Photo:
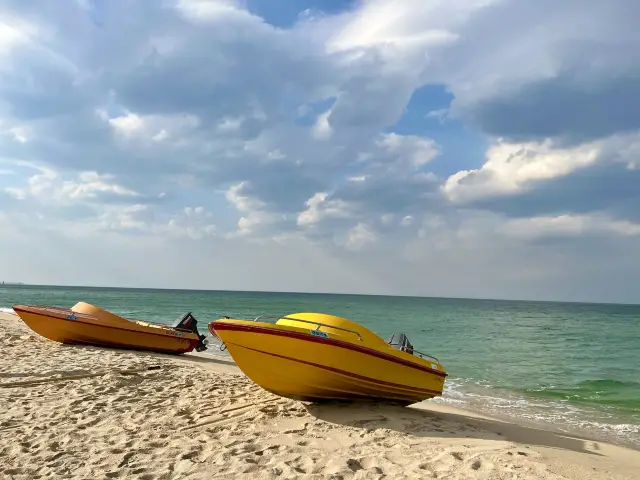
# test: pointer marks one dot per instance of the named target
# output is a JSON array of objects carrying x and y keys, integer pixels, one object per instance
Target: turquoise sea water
[{"x": 570, "y": 366}]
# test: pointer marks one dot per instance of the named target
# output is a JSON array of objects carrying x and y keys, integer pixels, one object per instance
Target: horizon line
[{"x": 24, "y": 284}]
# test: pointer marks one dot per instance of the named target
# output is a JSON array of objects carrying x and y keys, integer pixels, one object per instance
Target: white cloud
[
  {"x": 152, "y": 127},
  {"x": 127, "y": 124},
  {"x": 404, "y": 25},
  {"x": 13, "y": 33},
  {"x": 412, "y": 150},
  {"x": 569, "y": 225},
  {"x": 254, "y": 216},
  {"x": 577, "y": 74},
  {"x": 196, "y": 223},
  {"x": 204, "y": 10},
  {"x": 513, "y": 167},
  {"x": 243, "y": 203},
  {"x": 47, "y": 186},
  {"x": 322, "y": 128},
  {"x": 118, "y": 217},
  {"x": 319, "y": 208},
  {"x": 360, "y": 236}
]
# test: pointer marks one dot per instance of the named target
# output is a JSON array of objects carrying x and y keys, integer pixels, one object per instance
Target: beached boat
[
  {"x": 313, "y": 356},
  {"x": 86, "y": 324}
]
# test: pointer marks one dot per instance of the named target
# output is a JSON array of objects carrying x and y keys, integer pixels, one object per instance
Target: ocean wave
[
  {"x": 7, "y": 310},
  {"x": 556, "y": 413},
  {"x": 606, "y": 393},
  {"x": 608, "y": 383}
]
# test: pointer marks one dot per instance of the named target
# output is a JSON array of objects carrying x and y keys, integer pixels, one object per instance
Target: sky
[{"x": 458, "y": 148}]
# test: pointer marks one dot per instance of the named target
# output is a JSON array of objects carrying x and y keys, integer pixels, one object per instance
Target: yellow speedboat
[
  {"x": 312, "y": 356},
  {"x": 86, "y": 324}
]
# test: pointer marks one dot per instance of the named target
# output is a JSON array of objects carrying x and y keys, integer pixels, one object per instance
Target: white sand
[{"x": 73, "y": 412}]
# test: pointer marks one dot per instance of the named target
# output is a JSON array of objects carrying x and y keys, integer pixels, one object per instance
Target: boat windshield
[{"x": 401, "y": 342}]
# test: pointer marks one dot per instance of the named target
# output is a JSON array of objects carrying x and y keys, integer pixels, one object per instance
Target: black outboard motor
[{"x": 189, "y": 323}]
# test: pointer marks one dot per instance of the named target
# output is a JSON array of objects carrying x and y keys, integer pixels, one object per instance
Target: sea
[{"x": 569, "y": 367}]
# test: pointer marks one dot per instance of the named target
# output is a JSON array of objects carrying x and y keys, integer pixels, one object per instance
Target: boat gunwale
[
  {"x": 327, "y": 341},
  {"x": 17, "y": 308}
]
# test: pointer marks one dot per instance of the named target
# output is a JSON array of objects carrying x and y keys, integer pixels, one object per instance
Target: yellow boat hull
[
  {"x": 305, "y": 362},
  {"x": 85, "y": 324}
]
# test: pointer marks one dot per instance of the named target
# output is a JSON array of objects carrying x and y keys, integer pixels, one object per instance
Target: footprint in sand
[
  {"x": 125, "y": 459},
  {"x": 457, "y": 455},
  {"x": 354, "y": 465},
  {"x": 12, "y": 471}
]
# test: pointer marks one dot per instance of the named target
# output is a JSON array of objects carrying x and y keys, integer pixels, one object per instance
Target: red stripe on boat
[
  {"x": 217, "y": 325},
  {"x": 349, "y": 374}
]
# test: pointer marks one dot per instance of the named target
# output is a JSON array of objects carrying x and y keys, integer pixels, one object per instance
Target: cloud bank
[{"x": 484, "y": 148}]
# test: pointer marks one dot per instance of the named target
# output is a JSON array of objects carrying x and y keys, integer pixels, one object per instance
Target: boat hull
[
  {"x": 73, "y": 327},
  {"x": 300, "y": 365}
]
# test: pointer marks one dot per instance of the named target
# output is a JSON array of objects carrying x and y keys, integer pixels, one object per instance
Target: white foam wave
[
  {"x": 558, "y": 414},
  {"x": 7, "y": 311}
]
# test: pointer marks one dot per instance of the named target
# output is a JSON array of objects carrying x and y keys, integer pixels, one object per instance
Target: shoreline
[
  {"x": 198, "y": 416},
  {"x": 564, "y": 427},
  {"x": 475, "y": 409},
  {"x": 498, "y": 421}
]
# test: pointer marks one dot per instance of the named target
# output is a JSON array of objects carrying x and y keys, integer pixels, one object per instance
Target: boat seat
[{"x": 401, "y": 342}]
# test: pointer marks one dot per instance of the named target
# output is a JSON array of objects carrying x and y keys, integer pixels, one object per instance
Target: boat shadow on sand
[{"x": 422, "y": 422}]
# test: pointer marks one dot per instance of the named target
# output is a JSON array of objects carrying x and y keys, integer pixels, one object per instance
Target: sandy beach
[{"x": 84, "y": 412}]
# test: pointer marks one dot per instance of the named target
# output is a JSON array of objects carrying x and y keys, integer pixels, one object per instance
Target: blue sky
[{"x": 477, "y": 148}]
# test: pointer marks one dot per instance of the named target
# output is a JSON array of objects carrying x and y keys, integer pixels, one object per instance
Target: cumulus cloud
[
  {"x": 319, "y": 208},
  {"x": 199, "y": 121},
  {"x": 512, "y": 168},
  {"x": 533, "y": 178},
  {"x": 567, "y": 77},
  {"x": 359, "y": 236},
  {"x": 47, "y": 186}
]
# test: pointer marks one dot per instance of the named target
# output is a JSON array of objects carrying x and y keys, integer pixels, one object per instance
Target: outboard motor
[{"x": 188, "y": 322}]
